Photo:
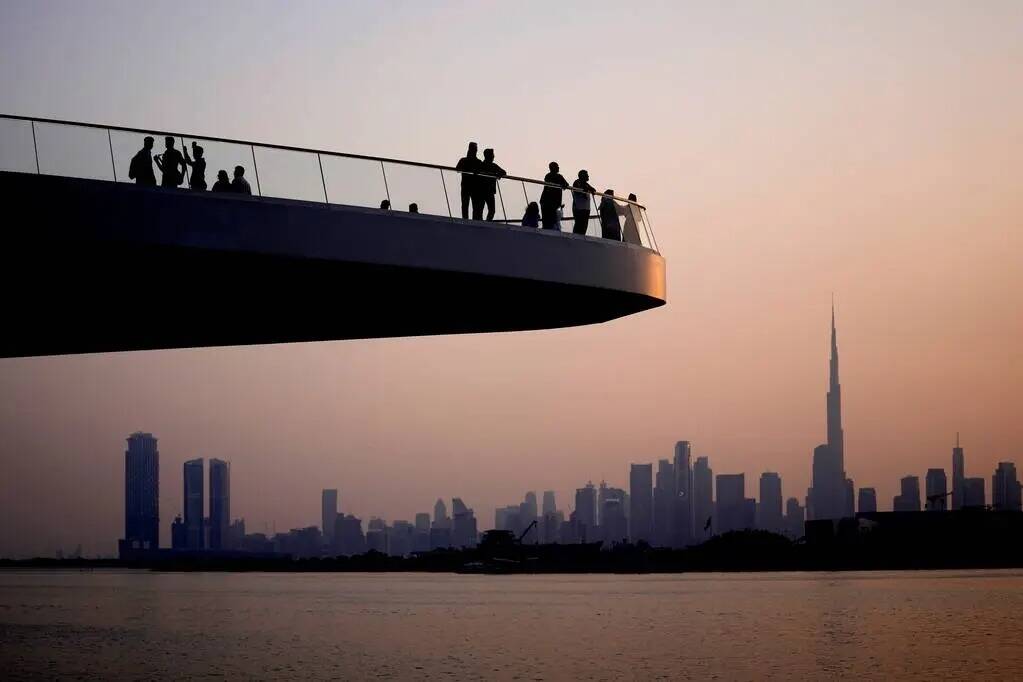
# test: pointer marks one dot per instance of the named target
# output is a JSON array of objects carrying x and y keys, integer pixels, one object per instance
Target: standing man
[
  {"x": 550, "y": 198},
  {"x": 581, "y": 202},
  {"x": 488, "y": 183},
  {"x": 141, "y": 169},
  {"x": 468, "y": 166},
  {"x": 171, "y": 164}
]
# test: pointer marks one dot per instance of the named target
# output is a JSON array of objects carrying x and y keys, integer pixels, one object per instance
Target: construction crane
[{"x": 528, "y": 528}]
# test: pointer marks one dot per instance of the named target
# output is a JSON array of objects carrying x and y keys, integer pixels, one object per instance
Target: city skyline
[{"x": 784, "y": 153}]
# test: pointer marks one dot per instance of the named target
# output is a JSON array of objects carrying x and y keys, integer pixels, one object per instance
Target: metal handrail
[{"x": 307, "y": 150}]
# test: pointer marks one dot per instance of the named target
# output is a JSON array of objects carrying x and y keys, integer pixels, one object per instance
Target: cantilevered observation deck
[{"x": 92, "y": 262}]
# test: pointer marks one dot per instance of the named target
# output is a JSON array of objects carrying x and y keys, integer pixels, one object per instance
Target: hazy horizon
[{"x": 786, "y": 152}]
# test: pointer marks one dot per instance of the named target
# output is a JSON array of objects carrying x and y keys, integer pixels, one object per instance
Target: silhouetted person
[
  {"x": 240, "y": 185},
  {"x": 141, "y": 169},
  {"x": 550, "y": 198},
  {"x": 223, "y": 183},
  {"x": 630, "y": 232},
  {"x": 413, "y": 208},
  {"x": 610, "y": 227},
  {"x": 532, "y": 215},
  {"x": 171, "y": 164},
  {"x": 488, "y": 182},
  {"x": 385, "y": 205},
  {"x": 469, "y": 165},
  {"x": 198, "y": 179},
  {"x": 581, "y": 202}
]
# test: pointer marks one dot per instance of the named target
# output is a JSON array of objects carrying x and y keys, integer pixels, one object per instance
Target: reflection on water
[{"x": 124, "y": 624}]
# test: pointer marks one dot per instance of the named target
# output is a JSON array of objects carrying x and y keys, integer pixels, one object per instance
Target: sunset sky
[{"x": 786, "y": 151}]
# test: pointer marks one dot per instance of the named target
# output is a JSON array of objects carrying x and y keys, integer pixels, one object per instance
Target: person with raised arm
[{"x": 198, "y": 163}]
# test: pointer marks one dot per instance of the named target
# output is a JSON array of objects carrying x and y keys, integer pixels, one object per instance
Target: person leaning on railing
[
  {"x": 550, "y": 198},
  {"x": 610, "y": 227},
  {"x": 488, "y": 182},
  {"x": 581, "y": 202}
]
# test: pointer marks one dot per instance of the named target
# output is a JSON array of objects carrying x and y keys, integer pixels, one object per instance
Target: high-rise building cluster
[
  {"x": 681, "y": 503},
  {"x": 196, "y": 530}
]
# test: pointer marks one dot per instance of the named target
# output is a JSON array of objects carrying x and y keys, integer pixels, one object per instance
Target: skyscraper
[
  {"x": 973, "y": 492},
  {"x": 586, "y": 506},
  {"x": 769, "y": 514},
  {"x": 464, "y": 532},
  {"x": 141, "y": 492},
  {"x": 614, "y": 525},
  {"x": 909, "y": 498},
  {"x": 682, "y": 518},
  {"x": 868, "y": 501},
  {"x": 548, "y": 503},
  {"x": 641, "y": 503},
  {"x": 220, "y": 503},
  {"x": 733, "y": 507},
  {"x": 664, "y": 496},
  {"x": 831, "y": 492},
  {"x": 703, "y": 499},
  {"x": 1005, "y": 488},
  {"x": 958, "y": 476},
  {"x": 328, "y": 514},
  {"x": 795, "y": 517},
  {"x": 936, "y": 486},
  {"x": 440, "y": 515},
  {"x": 193, "y": 503}
]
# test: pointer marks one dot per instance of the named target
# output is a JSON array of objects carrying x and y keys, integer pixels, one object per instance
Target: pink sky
[{"x": 786, "y": 151}]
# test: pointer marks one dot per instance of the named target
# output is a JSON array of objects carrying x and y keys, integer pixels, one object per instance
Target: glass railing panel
[
  {"x": 416, "y": 185},
  {"x": 651, "y": 240},
  {"x": 289, "y": 174},
  {"x": 632, "y": 225},
  {"x": 73, "y": 151},
  {"x": 512, "y": 199},
  {"x": 353, "y": 182},
  {"x": 453, "y": 183},
  {"x": 17, "y": 153}
]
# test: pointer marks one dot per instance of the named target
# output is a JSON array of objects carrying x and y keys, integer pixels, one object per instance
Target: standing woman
[{"x": 198, "y": 179}]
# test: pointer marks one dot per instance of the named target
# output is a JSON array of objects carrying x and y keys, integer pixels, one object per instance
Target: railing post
[
  {"x": 35, "y": 147},
  {"x": 255, "y": 168},
  {"x": 500, "y": 195},
  {"x": 447, "y": 200},
  {"x": 524, "y": 195},
  {"x": 600, "y": 225},
  {"x": 113, "y": 166},
  {"x": 386, "y": 189},
  {"x": 322, "y": 178}
]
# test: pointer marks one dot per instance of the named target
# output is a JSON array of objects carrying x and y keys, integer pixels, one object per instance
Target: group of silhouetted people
[
  {"x": 479, "y": 188},
  {"x": 174, "y": 167},
  {"x": 479, "y": 182},
  {"x": 548, "y": 213}
]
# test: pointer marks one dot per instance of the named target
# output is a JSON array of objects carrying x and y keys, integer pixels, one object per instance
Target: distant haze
[{"x": 786, "y": 151}]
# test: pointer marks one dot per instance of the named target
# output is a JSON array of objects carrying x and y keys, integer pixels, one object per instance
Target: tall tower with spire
[
  {"x": 836, "y": 439},
  {"x": 831, "y": 494}
]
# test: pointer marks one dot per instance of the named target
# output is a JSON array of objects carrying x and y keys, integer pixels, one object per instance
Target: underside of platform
[{"x": 96, "y": 266}]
